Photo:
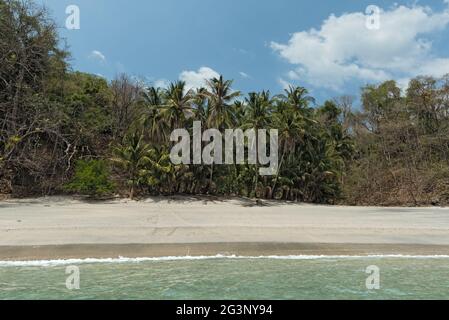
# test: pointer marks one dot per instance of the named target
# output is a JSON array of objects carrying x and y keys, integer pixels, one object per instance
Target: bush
[{"x": 91, "y": 178}]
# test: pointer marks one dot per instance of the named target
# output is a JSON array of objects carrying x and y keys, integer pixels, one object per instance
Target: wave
[{"x": 66, "y": 262}]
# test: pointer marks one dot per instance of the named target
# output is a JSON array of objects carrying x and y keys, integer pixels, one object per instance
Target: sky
[{"x": 324, "y": 45}]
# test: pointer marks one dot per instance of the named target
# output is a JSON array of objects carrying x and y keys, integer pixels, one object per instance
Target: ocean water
[{"x": 229, "y": 278}]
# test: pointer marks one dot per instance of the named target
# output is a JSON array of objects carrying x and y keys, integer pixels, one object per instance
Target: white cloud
[
  {"x": 244, "y": 75},
  {"x": 161, "y": 83},
  {"x": 293, "y": 75},
  {"x": 437, "y": 67},
  {"x": 97, "y": 55},
  {"x": 197, "y": 79},
  {"x": 343, "y": 49},
  {"x": 283, "y": 83}
]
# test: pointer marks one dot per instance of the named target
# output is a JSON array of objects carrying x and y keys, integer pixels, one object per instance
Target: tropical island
[{"x": 66, "y": 133}]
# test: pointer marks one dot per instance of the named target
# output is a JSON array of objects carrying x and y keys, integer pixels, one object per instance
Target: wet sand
[{"x": 61, "y": 228}]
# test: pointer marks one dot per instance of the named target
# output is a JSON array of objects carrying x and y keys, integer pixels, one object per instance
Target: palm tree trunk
[
  {"x": 277, "y": 175},
  {"x": 133, "y": 183},
  {"x": 257, "y": 165},
  {"x": 131, "y": 195},
  {"x": 211, "y": 176}
]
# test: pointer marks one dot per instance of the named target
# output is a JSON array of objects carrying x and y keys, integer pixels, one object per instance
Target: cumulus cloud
[
  {"x": 97, "y": 55},
  {"x": 197, "y": 79},
  {"x": 343, "y": 49}
]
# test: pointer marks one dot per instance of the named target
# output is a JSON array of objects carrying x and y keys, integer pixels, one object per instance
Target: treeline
[
  {"x": 402, "y": 144},
  {"x": 70, "y": 132}
]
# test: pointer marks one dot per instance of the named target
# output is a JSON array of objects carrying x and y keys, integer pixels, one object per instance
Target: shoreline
[
  {"x": 241, "y": 250},
  {"x": 67, "y": 228}
]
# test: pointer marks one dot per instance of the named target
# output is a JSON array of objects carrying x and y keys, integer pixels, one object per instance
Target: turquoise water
[{"x": 220, "y": 278}]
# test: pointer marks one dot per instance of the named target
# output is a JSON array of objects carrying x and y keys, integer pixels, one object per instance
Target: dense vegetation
[{"x": 64, "y": 131}]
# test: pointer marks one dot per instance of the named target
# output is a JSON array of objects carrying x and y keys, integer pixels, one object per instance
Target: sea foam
[{"x": 121, "y": 260}]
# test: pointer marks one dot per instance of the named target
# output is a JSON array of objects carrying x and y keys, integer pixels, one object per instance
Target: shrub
[{"x": 91, "y": 178}]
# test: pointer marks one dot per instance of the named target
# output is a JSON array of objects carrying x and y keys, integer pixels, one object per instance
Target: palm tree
[
  {"x": 159, "y": 173},
  {"x": 153, "y": 96},
  {"x": 151, "y": 118},
  {"x": 220, "y": 114},
  {"x": 177, "y": 105},
  {"x": 132, "y": 156},
  {"x": 322, "y": 179},
  {"x": 257, "y": 116},
  {"x": 238, "y": 111},
  {"x": 298, "y": 98},
  {"x": 200, "y": 109},
  {"x": 313, "y": 144},
  {"x": 291, "y": 129},
  {"x": 220, "y": 95}
]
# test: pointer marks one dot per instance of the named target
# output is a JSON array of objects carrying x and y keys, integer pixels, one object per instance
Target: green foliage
[
  {"x": 92, "y": 177},
  {"x": 314, "y": 145},
  {"x": 86, "y": 99},
  {"x": 63, "y": 116},
  {"x": 131, "y": 156},
  {"x": 393, "y": 150}
]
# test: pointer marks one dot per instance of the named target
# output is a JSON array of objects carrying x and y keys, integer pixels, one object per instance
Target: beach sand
[{"x": 62, "y": 228}]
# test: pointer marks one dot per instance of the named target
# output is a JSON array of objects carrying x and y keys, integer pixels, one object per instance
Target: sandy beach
[{"x": 60, "y": 228}]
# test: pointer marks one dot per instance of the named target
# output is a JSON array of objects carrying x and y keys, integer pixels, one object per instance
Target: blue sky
[{"x": 323, "y": 45}]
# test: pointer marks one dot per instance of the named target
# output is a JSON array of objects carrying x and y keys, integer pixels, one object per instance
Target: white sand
[{"x": 61, "y": 221}]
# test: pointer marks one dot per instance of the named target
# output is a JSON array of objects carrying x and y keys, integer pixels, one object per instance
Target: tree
[
  {"x": 124, "y": 104},
  {"x": 178, "y": 103},
  {"x": 151, "y": 119},
  {"x": 220, "y": 114},
  {"x": 380, "y": 102},
  {"x": 298, "y": 98},
  {"x": 257, "y": 116},
  {"x": 132, "y": 156},
  {"x": 32, "y": 145},
  {"x": 291, "y": 129},
  {"x": 91, "y": 178},
  {"x": 220, "y": 96}
]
